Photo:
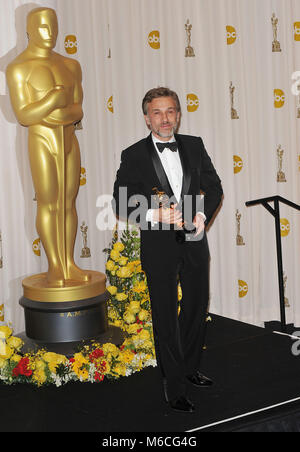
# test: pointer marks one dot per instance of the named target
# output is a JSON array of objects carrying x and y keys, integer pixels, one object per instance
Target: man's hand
[
  {"x": 167, "y": 215},
  {"x": 199, "y": 224}
]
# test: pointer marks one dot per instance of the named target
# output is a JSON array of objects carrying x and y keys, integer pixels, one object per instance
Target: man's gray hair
[{"x": 159, "y": 92}]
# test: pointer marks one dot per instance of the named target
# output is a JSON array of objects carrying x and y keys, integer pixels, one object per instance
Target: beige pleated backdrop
[{"x": 126, "y": 47}]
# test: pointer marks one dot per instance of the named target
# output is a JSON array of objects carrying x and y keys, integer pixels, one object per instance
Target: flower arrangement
[{"x": 129, "y": 309}]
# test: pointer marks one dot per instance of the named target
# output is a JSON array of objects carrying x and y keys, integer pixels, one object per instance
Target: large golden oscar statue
[{"x": 46, "y": 95}]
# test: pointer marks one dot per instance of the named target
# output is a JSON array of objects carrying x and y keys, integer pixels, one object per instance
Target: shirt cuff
[{"x": 149, "y": 217}]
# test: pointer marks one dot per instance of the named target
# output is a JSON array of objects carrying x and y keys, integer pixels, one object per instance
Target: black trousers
[{"x": 179, "y": 339}]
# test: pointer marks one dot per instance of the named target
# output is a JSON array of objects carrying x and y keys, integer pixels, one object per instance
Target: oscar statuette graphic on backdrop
[
  {"x": 234, "y": 114},
  {"x": 275, "y": 44},
  {"x": 46, "y": 95},
  {"x": 189, "y": 51}
]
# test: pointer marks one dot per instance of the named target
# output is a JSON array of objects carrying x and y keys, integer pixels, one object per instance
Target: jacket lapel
[
  {"x": 186, "y": 170},
  {"x": 159, "y": 169}
]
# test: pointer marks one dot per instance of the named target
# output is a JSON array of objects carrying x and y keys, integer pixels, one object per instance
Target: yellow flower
[
  {"x": 16, "y": 358},
  {"x": 5, "y": 351},
  {"x": 120, "y": 369},
  {"x": 110, "y": 265},
  {"x": 148, "y": 344},
  {"x": 129, "y": 317},
  {"x": 54, "y": 360},
  {"x": 118, "y": 323},
  {"x": 123, "y": 260},
  {"x": 79, "y": 366},
  {"x": 112, "y": 290},
  {"x": 114, "y": 255},
  {"x": 139, "y": 269},
  {"x": 111, "y": 348},
  {"x": 134, "y": 307},
  {"x": 107, "y": 368},
  {"x": 54, "y": 357},
  {"x": 5, "y": 332},
  {"x": 83, "y": 374},
  {"x": 118, "y": 246},
  {"x": 143, "y": 315},
  {"x": 144, "y": 335},
  {"x": 15, "y": 342},
  {"x": 39, "y": 364},
  {"x": 112, "y": 314},
  {"x": 124, "y": 272},
  {"x": 121, "y": 296},
  {"x": 39, "y": 375},
  {"x": 132, "y": 329},
  {"x": 127, "y": 356},
  {"x": 140, "y": 287},
  {"x": 80, "y": 358}
]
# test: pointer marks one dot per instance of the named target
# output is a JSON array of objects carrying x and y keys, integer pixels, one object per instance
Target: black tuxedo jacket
[{"x": 141, "y": 171}]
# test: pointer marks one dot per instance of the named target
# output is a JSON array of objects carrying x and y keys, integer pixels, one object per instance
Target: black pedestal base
[
  {"x": 113, "y": 335},
  {"x": 61, "y": 327}
]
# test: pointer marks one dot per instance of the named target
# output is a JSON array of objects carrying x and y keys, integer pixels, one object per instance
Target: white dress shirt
[{"x": 172, "y": 165}]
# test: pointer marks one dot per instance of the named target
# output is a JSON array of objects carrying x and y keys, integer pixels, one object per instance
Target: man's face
[
  {"x": 43, "y": 30},
  {"x": 162, "y": 117}
]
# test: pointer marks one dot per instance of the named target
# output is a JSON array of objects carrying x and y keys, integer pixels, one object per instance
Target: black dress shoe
[
  {"x": 200, "y": 380},
  {"x": 182, "y": 404}
]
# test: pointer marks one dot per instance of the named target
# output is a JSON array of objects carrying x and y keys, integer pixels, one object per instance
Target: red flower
[
  {"x": 96, "y": 354},
  {"x": 99, "y": 376},
  {"x": 22, "y": 368}
]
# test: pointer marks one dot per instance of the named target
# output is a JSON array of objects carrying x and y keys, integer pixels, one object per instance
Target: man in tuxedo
[{"x": 160, "y": 181}]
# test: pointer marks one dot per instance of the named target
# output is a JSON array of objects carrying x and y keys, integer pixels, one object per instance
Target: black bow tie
[{"x": 172, "y": 146}]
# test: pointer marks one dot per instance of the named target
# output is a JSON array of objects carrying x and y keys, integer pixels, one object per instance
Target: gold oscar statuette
[
  {"x": 162, "y": 200},
  {"x": 46, "y": 95},
  {"x": 280, "y": 174},
  {"x": 189, "y": 51},
  {"x": 234, "y": 114},
  {"x": 275, "y": 43},
  {"x": 239, "y": 238}
]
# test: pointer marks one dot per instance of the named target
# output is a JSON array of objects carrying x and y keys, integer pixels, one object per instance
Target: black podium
[{"x": 275, "y": 211}]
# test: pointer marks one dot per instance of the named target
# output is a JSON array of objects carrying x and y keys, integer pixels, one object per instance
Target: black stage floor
[{"x": 257, "y": 388}]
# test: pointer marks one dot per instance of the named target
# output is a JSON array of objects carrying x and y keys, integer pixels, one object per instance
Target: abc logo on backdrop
[
  {"x": 36, "y": 247},
  {"x": 297, "y": 31},
  {"x": 110, "y": 104},
  {"x": 192, "y": 102},
  {"x": 231, "y": 34},
  {"x": 285, "y": 227},
  {"x": 82, "y": 176},
  {"x": 279, "y": 98},
  {"x": 154, "y": 39},
  {"x": 237, "y": 164},
  {"x": 243, "y": 288},
  {"x": 71, "y": 44}
]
